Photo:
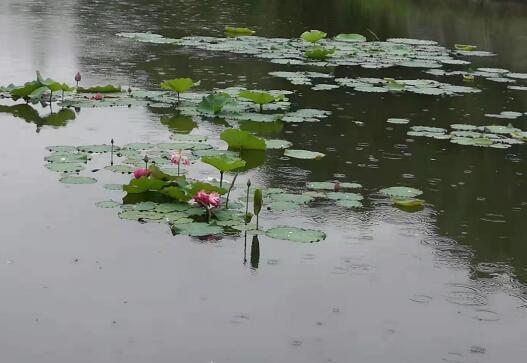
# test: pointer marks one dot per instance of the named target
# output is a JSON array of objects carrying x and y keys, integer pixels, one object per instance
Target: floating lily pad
[
  {"x": 344, "y": 196},
  {"x": 137, "y": 215},
  {"x": 77, "y": 180},
  {"x": 113, "y": 187},
  {"x": 197, "y": 229},
  {"x": 66, "y": 157},
  {"x": 350, "y": 38},
  {"x": 398, "y": 121},
  {"x": 139, "y": 146},
  {"x": 291, "y": 198},
  {"x": 296, "y": 234},
  {"x": 171, "y": 207},
  {"x": 303, "y": 154},
  {"x": 278, "y": 144},
  {"x": 148, "y": 38},
  {"x": 401, "y": 192},
  {"x": 281, "y": 206},
  {"x": 333, "y": 186},
  {"x": 409, "y": 203},
  {"x": 349, "y": 203},
  {"x": 65, "y": 167},
  {"x": 123, "y": 169},
  {"x": 62, "y": 148},
  {"x": 108, "y": 204},
  {"x": 96, "y": 149}
]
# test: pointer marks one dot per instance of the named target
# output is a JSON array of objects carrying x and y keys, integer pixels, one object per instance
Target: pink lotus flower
[
  {"x": 202, "y": 198},
  {"x": 98, "y": 97},
  {"x": 78, "y": 77},
  {"x": 214, "y": 200},
  {"x": 139, "y": 173},
  {"x": 178, "y": 159}
]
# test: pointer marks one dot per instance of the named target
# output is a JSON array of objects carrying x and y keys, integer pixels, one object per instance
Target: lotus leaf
[
  {"x": 303, "y": 154},
  {"x": 197, "y": 229},
  {"x": 242, "y": 140},
  {"x": 296, "y": 234}
]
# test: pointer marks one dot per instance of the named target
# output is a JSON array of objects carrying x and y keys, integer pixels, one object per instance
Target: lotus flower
[
  {"x": 78, "y": 77},
  {"x": 139, "y": 173},
  {"x": 202, "y": 198},
  {"x": 214, "y": 200},
  {"x": 178, "y": 158},
  {"x": 98, "y": 97}
]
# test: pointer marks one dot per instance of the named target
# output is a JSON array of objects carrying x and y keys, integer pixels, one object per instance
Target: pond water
[{"x": 444, "y": 284}]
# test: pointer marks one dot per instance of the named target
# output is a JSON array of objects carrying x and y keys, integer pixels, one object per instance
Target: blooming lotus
[
  {"x": 214, "y": 200},
  {"x": 202, "y": 198},
  {"x": 178, "y": 158},
  {"x": 98, "y": 97},
  {"x": 141, "y": 172},
  {"x": 207, "y": 201}
]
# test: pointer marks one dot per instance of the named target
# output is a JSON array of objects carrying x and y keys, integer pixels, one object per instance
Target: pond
[{"x": 440, "y": 282}]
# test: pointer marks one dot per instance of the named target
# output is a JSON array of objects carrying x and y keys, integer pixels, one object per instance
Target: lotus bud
[
  {"x": 78, "y": 77},
  {"x": 337, "y": 186}
]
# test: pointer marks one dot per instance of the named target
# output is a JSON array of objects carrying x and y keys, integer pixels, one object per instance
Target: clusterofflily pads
[
  {"x": 303, "y": 154},
  {"x": 296, "y": 234}
]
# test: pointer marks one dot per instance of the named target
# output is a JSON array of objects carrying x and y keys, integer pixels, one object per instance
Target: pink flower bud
[
  {"x": 78, "y": 77},
  {"x": 214, "y": 200},
  {"x": 139, "y": 173}
]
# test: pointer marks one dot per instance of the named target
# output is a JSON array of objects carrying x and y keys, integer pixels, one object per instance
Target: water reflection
[{"x": 31, "y": 115}]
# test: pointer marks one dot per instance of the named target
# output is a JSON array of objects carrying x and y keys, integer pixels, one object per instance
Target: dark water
[{"x": 443, "y": 284}]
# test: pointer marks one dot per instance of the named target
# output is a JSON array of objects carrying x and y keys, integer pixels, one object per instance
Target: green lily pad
[
  {"x": 398, "y": 121},
  {"x": 139, "y": 146},
  {"x": 291, "y": 198},
  {"x": 77, "y": 180},
  {"x": 65, "y": 167},
  {"x": 332, "y": 186},
  {"x": 171, "y": 207},
  {"x": 278, "y": 144},
  {"x": 303, "y": 154},
  {"x": 344, "y": 196},
  {"x": 281, "y": 206},
  {"x": 123, "y": 169},
  {"x": 401, "y": 192},
  {"x": 113, "y": 187},
  {"x": 350, "y": 38},
  {"x": 238, "y": 139},
  {"x": 144, "y": 206},
  {"x": 96, "y": 149},
  {"x": 224, "y": 162},
  {"x": 348, "y": 203},
  {"x": 136, "y": 215},
  {"x": 62, "y": 148},
  {"x": 408, "y": 203},
  {"x": 66, "y": 157},
  {"x": 296, "y": 234},
  {"x": 197, "y": 229},
  {"x": 108, "y": 204}
]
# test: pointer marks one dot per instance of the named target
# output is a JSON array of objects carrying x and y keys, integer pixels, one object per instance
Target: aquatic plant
[
  {"x": 242, "y": 140},
  {"x": 235, "y": 31},
  {"x": 257, "y": 206},
  {"x": 214, "y": 103},
  {"x": 38, "y": 88},
  {"x": 178, "y": 85},
  {"x": 260, "y": 98},
  {"x": 78, "y": 78},
  {"x": 209, "y": 201},
  {"x": 178, "y": 158},
  {"x": 313, "y": 36},
  {"x": 224, "y": 163},
  {"x": 318, "y": 52},
  {"x": 141, "y": 172}
]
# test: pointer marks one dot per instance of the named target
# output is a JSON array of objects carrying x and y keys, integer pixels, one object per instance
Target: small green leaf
[
  {"x": 239, "y": 31},
  {"x": 260, "y": 98},
  {"x": 350, "y": 38},
  {"x": 313, "y": 36},
  {"x": 197, "y": 229},
  {"x": 142, "y": 185},
  {"x": 224, "y": 162},
  {"x": 238, "y": 139},
  {"x": 296, "y": 234},
  {"x": 178, "y": 85},
  {"x": 319, "y": 53},
  {"x": 303, "y": 154},
  {"x": 214, "y": 103}
]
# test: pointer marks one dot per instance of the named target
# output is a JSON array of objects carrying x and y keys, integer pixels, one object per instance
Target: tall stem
[
  {"x": 229, "y": 192},
  {"x": 221, "y": 178},
  {"x": 247, "y": 200},
  {"x": 179, "y": 163},
  {"x": 261, "y": 108}
]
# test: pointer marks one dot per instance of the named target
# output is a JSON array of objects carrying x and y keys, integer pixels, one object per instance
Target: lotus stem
[
  {"x": 178, "y": 167},
  {"x": 245, "y": 249},
  {"x": 221, "y": 178},
  {"x": 50, "y": 96},
  {"x": 145, "y": 159},
  {"x": 261, "y": 108},
  {"x": 62, "y": 95},
  {"x": 178, "y": 98},
  {"x": 111, "y": 155},
  {"x": 229, "y": 192},
  {"x": 247, "y": 201},
  {"x": 257, "y": 220}
]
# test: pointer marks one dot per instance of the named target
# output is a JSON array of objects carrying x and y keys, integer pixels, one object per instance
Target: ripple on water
[
  {"x": 466, "y": 295},
  {"x": 421, "y": 299},
  {"x": 486, "y": 315}
]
